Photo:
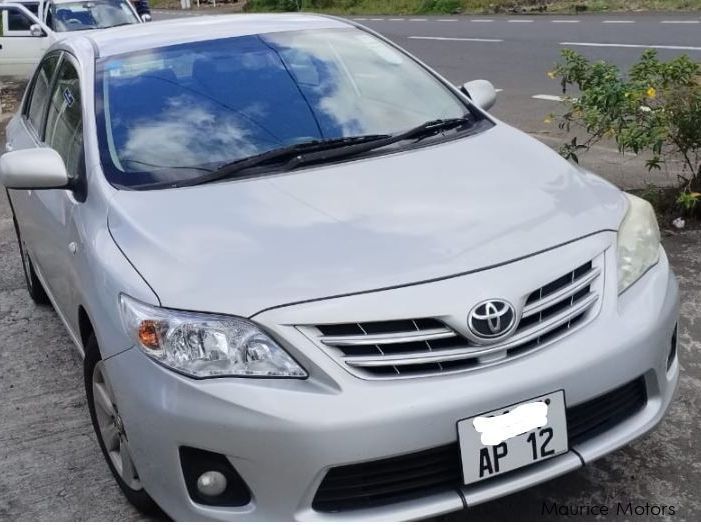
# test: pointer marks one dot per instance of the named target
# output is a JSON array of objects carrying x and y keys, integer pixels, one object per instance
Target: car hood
[{"x": 239, "y": 247}]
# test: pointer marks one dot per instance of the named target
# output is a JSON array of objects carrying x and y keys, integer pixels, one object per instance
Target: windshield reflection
[
  {"x": 170, "y": 112},
  {"x": 93, "y": 14}
]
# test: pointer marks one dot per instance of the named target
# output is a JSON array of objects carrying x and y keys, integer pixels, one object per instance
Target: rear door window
[{"x": 39, "y": 98}]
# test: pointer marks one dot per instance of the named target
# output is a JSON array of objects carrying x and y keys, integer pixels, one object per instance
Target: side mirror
[
  {"x": 34, "y": 168},
  {"x": 481, "y": 92},
  {"x": 36, "y": 30},
  {"x": 145, "y": 17}
]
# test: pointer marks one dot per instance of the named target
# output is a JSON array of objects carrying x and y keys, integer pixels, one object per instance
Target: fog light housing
[{"x": 211, "y": 479}]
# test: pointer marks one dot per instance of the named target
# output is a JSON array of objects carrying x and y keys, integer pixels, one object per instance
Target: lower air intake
[{"x": 436, "y": 470}]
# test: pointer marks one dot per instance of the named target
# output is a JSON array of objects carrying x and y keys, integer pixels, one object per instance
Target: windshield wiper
[
  {"x": 427, "y": 129},
  {"x": 433, "y": 127},
  {"x": 278, "y": 155},
  {"x": 325, "y": 150}
]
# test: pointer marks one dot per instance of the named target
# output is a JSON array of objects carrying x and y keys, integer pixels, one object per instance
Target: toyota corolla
[{"x": 311, "y": 279}]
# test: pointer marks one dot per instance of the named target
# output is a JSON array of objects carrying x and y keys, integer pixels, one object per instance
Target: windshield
[
  {"x": 94, "y": 14},
  {"x": 169, "y": 114}
]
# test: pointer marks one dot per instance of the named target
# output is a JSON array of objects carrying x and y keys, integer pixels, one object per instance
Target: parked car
[
  {"x": 29, "y": 28},
  {"x": 311, "y": 279}
]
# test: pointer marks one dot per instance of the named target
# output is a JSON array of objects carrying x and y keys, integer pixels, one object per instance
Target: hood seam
[{"x": 434, "y": 279}]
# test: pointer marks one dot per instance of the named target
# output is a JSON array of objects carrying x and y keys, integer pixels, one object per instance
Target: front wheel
[{"x": 110, "y": 431}]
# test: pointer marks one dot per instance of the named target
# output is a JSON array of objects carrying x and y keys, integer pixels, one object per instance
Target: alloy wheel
[{"x": 112, "y": 430}]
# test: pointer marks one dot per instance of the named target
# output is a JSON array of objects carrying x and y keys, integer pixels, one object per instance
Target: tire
[
  {"x": 34, "y": 287},
  {"x": 95, "y": 372}
]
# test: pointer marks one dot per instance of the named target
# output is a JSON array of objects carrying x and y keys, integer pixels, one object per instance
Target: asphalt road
[
  {"x": 50, "y": 463},
  {"x": 516, "y": 52}
]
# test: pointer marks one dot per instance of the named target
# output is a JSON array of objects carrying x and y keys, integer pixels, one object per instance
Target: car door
[
  {"x": 20, "y": 47},
  {"x": 53, "y": 237},
  {"x": 25, "y": 131}
]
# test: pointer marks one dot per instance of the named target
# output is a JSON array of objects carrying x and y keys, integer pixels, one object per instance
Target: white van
[{"x": 28, "y": 28}]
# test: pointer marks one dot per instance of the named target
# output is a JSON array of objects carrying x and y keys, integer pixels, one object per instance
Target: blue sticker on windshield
[{"x": 68, "y": 97}]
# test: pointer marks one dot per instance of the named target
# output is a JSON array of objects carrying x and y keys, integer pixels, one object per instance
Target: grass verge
[
  {"x": 408, "y": 7},
  {"x": 412, "y": 7}
]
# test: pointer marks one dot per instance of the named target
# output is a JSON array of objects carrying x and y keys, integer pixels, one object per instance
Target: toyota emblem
[{"x": 490, "y": 320}]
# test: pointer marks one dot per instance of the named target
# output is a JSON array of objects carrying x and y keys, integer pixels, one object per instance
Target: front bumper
[{"x": 282, "y": 436}]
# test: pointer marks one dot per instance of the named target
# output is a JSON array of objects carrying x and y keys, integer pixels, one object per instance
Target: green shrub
[
  {"x": 655, "y": 108},
  {"x": 448, "y": 6},
  {"x": 272, "y": 5},
  {"x": 439, "y": 6}
]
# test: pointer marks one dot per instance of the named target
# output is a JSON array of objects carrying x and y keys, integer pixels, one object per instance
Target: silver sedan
[{"x": 310, "y": 279}]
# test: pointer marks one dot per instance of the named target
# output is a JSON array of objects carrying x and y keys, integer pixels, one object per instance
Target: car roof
[{"x": 138, "y": 37}]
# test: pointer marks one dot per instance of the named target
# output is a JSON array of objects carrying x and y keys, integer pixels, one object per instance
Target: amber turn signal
[{"x": 148, "y": 334}]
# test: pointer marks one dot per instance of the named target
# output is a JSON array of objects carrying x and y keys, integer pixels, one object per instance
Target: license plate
[{"x": 513, "y": 437}]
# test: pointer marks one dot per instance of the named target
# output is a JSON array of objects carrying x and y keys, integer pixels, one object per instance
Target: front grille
[
  {"x": 424, "y": 346},
  {"x": 428, "y": 472}
]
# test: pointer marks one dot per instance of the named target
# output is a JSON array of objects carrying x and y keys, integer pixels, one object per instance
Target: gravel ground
[{"x": 53, "y": 470}]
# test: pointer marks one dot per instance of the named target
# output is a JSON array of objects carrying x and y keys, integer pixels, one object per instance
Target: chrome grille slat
[
  {"x": 385, "y": 339},
  {"x": 581, "y": 305},
  {"x": 428, "y": 343},
  {"x": 375, "y": 345},
  {"x": 577, "y": 285},
  {"x": 400, "y": 348},
  {"x": 476, "y": 351}
]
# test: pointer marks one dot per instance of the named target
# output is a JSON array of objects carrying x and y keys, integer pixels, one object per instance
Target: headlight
[
  {"x": 638, "y": 242},
  {"x": 203, "y": 345}
]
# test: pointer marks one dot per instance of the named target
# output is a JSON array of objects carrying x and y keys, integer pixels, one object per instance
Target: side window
[
  {"x": 64, "y": 122},
  {"x": 18, "y": 21},
  {"x": 15, "y": 22},
  {"x": 39, "y": 97}
]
